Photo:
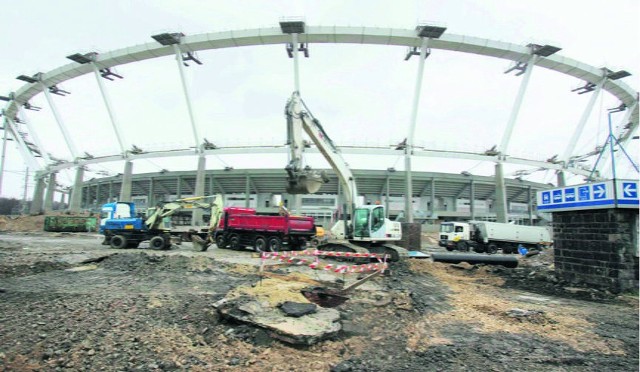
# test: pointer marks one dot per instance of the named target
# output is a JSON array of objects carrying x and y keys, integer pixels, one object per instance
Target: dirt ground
[{"x": 69, "y": 303}]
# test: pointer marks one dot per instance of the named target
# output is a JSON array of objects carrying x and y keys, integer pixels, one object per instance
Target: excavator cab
[{"x": 367, "y": 221}]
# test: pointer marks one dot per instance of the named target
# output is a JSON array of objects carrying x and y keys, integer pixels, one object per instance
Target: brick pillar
[{"x": 597, "y": 248}]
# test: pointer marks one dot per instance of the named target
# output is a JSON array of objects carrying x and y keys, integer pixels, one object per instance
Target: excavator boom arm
[{"x": 300, "y": 118}]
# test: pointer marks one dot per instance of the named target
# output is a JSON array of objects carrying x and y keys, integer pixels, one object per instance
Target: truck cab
[
  {"x": 119, "y": 215},
  {"x": 452, "y": 232}
]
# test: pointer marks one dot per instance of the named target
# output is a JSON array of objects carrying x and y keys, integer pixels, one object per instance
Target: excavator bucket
[
  {"x": 305, "y": 183},
  {"x": 200, "y": 244}
]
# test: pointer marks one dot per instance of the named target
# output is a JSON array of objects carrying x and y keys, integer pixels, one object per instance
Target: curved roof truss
[{"x": 333, "y": 34}]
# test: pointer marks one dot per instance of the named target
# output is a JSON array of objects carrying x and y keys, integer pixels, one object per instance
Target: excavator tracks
[{"x": 396, "y": 253}]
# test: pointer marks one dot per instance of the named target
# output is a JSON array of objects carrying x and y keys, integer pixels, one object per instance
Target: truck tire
[
  {"x": 118, "y": 242},
  {"x": 492, "y": 248},
  {"x": 234, "y": 242},
  {"x": 157, "y": 242},
  {"x": 302, "y": 243},
  {"x": 260, "y": 245},
  {"x": 221, "y": 242},
  {"x": 275, "y": 244},
  {"x": 462, "y": 246}
]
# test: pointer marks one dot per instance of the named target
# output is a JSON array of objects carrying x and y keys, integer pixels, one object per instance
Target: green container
[{"x": 70, "y": 224}]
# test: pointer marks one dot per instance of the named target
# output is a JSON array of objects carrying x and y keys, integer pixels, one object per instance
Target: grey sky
[{"x": 362, "y": 94}]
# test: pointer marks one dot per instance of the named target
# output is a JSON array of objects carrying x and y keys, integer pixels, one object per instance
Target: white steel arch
[{"x": 334, "y": 34}]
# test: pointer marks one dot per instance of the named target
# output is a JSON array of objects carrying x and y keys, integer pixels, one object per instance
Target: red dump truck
[{"x": 242, "y": 227}]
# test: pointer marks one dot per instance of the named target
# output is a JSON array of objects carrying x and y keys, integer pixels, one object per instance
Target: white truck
[{"x": 483, "y": 236}]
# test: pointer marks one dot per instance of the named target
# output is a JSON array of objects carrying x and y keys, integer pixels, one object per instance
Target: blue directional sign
[
  {"x": 599, "y": 191},
  {"x": 584, "y": 192},
  {"x": 630, "y": 190},
  {"x": 546, "y": 197},
  {"x": 570, "y": 194},
  {"x": 627, "y": 194},
  {"x": 609, "y": 194}
]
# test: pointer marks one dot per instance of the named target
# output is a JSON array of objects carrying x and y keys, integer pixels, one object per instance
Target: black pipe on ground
[{"x": 506, "y": 261}]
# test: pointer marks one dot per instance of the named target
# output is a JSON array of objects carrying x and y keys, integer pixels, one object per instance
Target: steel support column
[
  {"x": 199, "y": 188},
  {"x": 500, "y": 203},
  {"x": 432, "y": 196},
  {"x": 583, "y": 121},
  {"x": 35, "y": 137},
  {"x": 65, "y": 133},
  {"x": 515, "y": 110},
  {"x": 125, "y": 188},
  {"x": 408, "y": 151},
  {"x": 38, "y": 194},
  {"x": 107, "y": 103},
  {"x": 530, "y": 204},
  {"x": 151, "y": 195},
  {"x": 296, "y": 71},
  {"x": 501, "y": 200},
  {"x": 51, "y": 189},
  {"x": 76, "y": 193},
  {"x": 22, "y": 146},
  {"x": 386, "y": 201},
  {"x": 472, "y": 200},
  {"x": 194, "y": 128},
  {"x": 247, "y": 191}
]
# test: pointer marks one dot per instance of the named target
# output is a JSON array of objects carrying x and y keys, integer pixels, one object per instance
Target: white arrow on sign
[
  {"x": 630, "y": 190},
  {"x": 599, "y": 191}
]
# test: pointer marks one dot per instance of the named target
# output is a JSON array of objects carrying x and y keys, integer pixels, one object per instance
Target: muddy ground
[{"x": 69, "y": 303}]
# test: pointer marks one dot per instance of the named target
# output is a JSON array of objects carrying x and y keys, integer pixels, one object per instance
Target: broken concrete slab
[{"x": 304, "y": 330}]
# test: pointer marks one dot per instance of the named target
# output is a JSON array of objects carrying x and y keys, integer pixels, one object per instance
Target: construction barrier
[{"x": 296, "y": 258}]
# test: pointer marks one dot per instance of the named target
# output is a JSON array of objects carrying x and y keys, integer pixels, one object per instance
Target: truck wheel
[
  {"x": 118, "y": 242},
  {"x": 302, "y": 243},
  {"x": 234, "y": 242},
  {"x": 157, "y": 242},
  {"x": 462, "y": 246},
  {"x": 449, "y": 248},
  {"x": 260, "y": 244},
  {"x": 492, "y": 248},
  {"x": 221, "y": 242},
  {"x": 275, "y": 244}
]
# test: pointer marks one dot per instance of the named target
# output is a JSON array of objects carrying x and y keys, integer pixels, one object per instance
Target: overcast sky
[{"x": 362, "y": 94}]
